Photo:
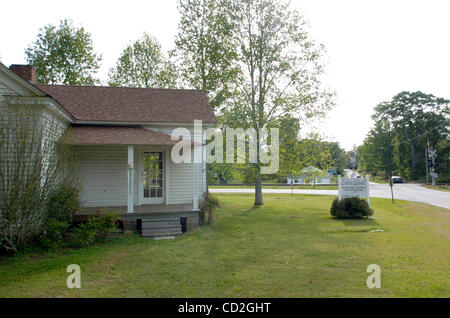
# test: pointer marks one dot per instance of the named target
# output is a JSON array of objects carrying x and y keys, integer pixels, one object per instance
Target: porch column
[
  {"x": 130, "y": 178},
  {"x": 195, "y": 197}
]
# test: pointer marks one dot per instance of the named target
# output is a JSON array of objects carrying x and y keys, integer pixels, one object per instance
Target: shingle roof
[
  {"x": 125, "y": 104},
  {"x": 114, "y": 135}
]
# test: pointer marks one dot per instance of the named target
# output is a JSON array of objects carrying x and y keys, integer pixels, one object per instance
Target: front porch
[
  {"x": 139, "y": 210},
  {"x": 155, "y": 214},
  {"x": 132, "y": 167}
]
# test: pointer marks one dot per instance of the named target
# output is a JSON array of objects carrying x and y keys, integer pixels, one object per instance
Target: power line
[
  {"x": 410, "y": 139},
  {"x": 401, "y": 142}
]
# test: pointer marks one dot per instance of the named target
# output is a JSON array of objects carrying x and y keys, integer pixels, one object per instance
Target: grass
[
  {"x": 440, "y": 187},
  {"x": 291, "y": 247}
]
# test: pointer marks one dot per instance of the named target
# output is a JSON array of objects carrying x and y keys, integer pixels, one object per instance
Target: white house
[
  {"x": 309, "y": 175},
  {"x": 122, "y": 137}
]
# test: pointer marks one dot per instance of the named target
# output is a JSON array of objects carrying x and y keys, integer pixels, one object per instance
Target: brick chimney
[{"x": 27, "y": 72}]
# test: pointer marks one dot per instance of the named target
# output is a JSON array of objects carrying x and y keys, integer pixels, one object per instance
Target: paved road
[{"x": 411, "y": 192}]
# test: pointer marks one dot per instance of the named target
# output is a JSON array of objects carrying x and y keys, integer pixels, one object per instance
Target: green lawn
[
  {"x": 289, "y": 248},
  {"x": 440, "y": 187},
  {"x": 296, "y": 187}
]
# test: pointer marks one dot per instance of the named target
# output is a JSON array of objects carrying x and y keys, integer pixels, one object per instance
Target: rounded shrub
[
  {"x": 350, "y": 208},
  {"x": 62, "y": 203}
]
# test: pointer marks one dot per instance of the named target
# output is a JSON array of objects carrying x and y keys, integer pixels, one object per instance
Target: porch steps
[{"x": 161, "y": 227}]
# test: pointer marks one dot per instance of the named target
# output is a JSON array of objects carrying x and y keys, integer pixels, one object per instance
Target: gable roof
[{"x": 126, "y": 104}]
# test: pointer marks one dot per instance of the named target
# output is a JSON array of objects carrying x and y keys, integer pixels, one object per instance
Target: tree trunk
[
  {"x": 258, "y": 186},
  {"x": 258, "y": 192},
  {"x": 413, "y": 161}
]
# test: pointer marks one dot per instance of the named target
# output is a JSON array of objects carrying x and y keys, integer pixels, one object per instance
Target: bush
[
  {"x": 83, "y": 235},
  {"x": 209, "y": 203},
  {"x": 97, "y": 226},
  {"x": 53, "y": 234},
  {"x": 350, "y": 208},
  {"x": 104, "y": 224},
  {"x": 63, "y": 203}
]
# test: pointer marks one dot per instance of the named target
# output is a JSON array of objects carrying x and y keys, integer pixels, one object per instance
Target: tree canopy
[
  {"x": 403, "y": 127},
  {"x": 64, "y": 55},
  {"x": 205, "y": 49},
  {"x": 143, "y": 64}
]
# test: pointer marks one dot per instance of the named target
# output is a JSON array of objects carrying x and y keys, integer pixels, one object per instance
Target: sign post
[{"x": 368, "y": 192}]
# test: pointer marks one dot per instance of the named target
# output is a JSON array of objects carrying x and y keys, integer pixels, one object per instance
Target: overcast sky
[{"x": 375, "y": 49}]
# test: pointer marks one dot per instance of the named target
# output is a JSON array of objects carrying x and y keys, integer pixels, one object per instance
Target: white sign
[{"x": 354, "y": 187}]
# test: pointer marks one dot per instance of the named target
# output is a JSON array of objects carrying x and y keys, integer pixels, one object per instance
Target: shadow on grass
[
  {"x": 357, "y": 222},
  {"x": 254, "y": 208}
]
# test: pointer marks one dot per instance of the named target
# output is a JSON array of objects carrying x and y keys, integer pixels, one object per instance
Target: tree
[
  {"x": 403, "y": 128},
  {"x": 205, "y": 49},
  {"x": 443, "y": 160},
  {"x": 315, "y": 153},
  {"x": 219, "y": 172},
  {"x": 64, "y": 55},
  {"x": 32, "y": 165},
  {"x": 297, "y": 155},
  {"x": 280, "y": 66},
  {"x": 339, "y": 157},
  {"x": 375, "y": 154},
  {"x": 289, "y": 146},
  {"x": 143, "y": 64}
]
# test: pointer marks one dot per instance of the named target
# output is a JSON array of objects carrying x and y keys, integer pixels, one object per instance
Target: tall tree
[
  {"x": 376, "y": 153},
  {"x": 205, "y": 51},
  {"x": 143, "y": 64},
  {"x": 280, "y": 66},
  {"x": 414, "y": 117},
  {"x": 64, "y": 55}
]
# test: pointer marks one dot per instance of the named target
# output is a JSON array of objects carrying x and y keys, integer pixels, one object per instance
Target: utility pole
[
  {"x": 427, "y": 148},
  {"x": 354, "y": 161},
  {"x": 426, "y": 164}
]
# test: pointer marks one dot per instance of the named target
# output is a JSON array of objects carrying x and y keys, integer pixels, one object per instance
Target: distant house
[
  {"x": 310, "y": 175},
  {"x": 122, "y": 137}
]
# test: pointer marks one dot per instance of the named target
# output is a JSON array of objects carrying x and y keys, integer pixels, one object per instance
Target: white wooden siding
[
  {"x": 5, "y": 90},
  {"x": 180, "y": 177},
  {"x": 103, "y": 175},
  {"x": 181, "y": 183}
]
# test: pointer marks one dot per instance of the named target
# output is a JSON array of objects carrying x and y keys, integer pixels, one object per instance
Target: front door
[{"x": 152, "y": 177}]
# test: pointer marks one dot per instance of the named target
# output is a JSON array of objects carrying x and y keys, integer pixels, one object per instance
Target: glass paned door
[{"x": 152, "y": 177}]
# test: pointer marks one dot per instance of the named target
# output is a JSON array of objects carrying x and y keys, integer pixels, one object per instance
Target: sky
[{"x": 374, "y": 49}]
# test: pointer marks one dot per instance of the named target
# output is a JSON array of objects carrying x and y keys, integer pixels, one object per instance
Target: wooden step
[
  {"x": 160, "y": 219},
  {"x": 170, "y": 228},
  {"x": 159, "y": 223},
  {"x": 160, "y": 235},
  {"x": 161, "y": 227}
]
